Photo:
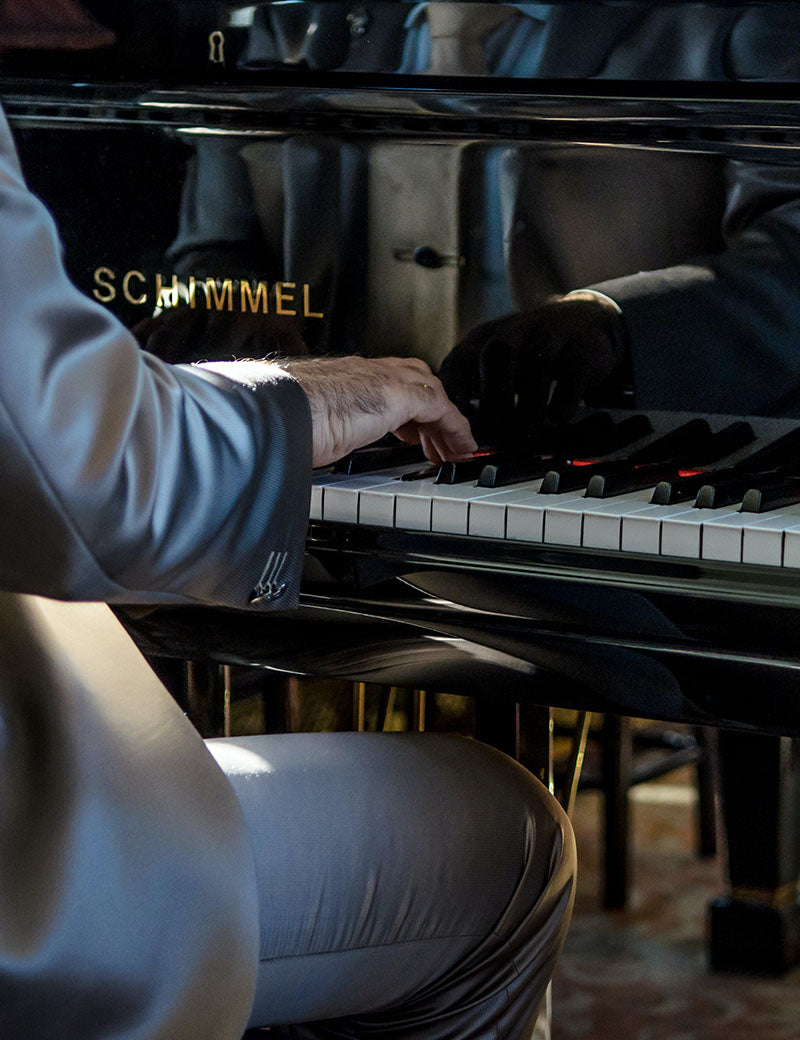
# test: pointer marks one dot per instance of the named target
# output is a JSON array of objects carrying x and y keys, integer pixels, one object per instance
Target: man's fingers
[
  {"x": 436, "y": 446},
  {"x": 429, "y": 446},
  {"x": 356, "y": 400}
]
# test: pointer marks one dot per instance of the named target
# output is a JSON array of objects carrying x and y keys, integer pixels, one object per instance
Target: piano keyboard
[{"x": 408, "y": 497}]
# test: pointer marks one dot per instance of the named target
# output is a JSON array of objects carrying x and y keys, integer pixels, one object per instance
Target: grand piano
[{"x": 389, "y": 177}]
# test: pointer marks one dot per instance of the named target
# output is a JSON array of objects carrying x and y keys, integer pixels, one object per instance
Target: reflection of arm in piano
[
  {"x": 268, "y": 211},
  {"x": 719, "y": 332},
  {"x": 701, "y": 255}
]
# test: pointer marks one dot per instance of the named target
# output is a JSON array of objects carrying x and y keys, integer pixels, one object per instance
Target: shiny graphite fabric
[
  {"x": 128, "y": 905},
  {"x": 413, "y": 885},
  {"x": 125, "y": 479}
]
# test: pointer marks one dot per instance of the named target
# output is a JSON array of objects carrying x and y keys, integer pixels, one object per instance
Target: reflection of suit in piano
[{"x": 711, "y": 323}]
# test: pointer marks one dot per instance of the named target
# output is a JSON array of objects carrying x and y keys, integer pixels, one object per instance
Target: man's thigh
[{"x": 393, "y": 868}]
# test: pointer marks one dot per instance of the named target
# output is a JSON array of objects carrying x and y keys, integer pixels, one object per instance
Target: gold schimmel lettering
[
  {"x": 167, "y": 297},
  {"x": 287, "y": 299},
  {"x": 126, "y": 288},
  {"x": 283, "y": 296},
  {"x": 257, "y": 299}
]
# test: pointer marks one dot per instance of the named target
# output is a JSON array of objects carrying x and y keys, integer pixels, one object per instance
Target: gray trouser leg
[{"x": 412, "y": 885}]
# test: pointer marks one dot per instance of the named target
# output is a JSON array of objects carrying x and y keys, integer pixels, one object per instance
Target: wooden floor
[{"x": 641, "y": 973}]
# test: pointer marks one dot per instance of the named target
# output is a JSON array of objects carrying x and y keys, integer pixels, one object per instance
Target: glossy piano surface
[{"x": 388, "y": 177}]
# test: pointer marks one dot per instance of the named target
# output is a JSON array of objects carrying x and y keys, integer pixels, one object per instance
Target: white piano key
[
  {"x": 602, "y": 524},
  {"x": 452, "y": 505},
  {"x": 791, "y": 547},
  {"x": 764, "y": 544},
  {"x": 682, "y": 534},
  {"x": 487, "y": 516},
  {"x": 376, "y": 505},
  {"x": 725, "y": 539},
  {"x": 315, "y": 510},
  {"x": 414, "y": 502},
  {"x": 427, "y": 506},
  {"x": 681, "y": 537},
  {"x": 563, "y": 522},
  {"x": 722, "y": 538},
  {"x": 525, "y": 521},
  {"x": 413, "y": 512},
  {"x": 340, "y": 499},
  {"x": 524, "y": 524},
  {"x": 764, "y": 536},
  {"x": 641, "y": 532},
  {"x": 318, "y": 483}
]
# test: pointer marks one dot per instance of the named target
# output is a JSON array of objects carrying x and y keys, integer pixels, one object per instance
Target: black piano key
[
  {"x": 467, "y": 469},
  {"x": 608, "y": 484},
  {"x": 784, "y": 452},
  {"x": 682, "y": 442},
  {"x": 723, "y": 491},
  {"x": 426, "y": 473},
  {"x": 552, "y": 439},
  {"x": 693, "y": 441},
  {"x": 623, "y": 434},
  {"x": 724, "y": 442},
  {"x": 596, "y": 434},
  {"x": 516, "y": 471},
  {"x": 691, "y": 476},
  {"x": 770, "y": 495},
  {"x": 575, "y": 476},
  {"x": 682, "y": 487},
  {"x": 365, "y": 460},
  {"x": 622, "y": 475}
]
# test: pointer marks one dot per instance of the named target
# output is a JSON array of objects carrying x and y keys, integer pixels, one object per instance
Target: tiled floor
[{"x": 641, "y": 973}]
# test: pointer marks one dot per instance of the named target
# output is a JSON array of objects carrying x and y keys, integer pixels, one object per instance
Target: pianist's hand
[
  {"x": 512, "y": 372},
  {"x": 355, "y": 401}
]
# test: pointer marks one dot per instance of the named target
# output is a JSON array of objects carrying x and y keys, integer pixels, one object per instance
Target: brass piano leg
[
  {"x": 388, "y": 715},
  {"x": 572, "y": 772},
  {"x": 226, "y": 700},
  {"x": 359, "y": 705},
  {"x": 419, "y": 711}
]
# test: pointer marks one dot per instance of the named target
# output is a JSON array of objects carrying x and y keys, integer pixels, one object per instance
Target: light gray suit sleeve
[
  {"x": 126, "y": 479},
  {"x": 719, "y": 333}
]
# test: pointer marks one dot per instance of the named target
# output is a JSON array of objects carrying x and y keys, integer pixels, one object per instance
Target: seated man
[{"x": 331, "y": 885}]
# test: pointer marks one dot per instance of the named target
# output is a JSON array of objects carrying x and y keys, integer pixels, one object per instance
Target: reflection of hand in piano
[
  {"x": 711, "y": 488},
  {"x": 543, "y": 361}
]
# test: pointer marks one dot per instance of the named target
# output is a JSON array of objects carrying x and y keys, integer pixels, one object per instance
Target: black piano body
[{"x": 384, "y": 177}]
